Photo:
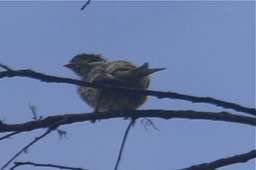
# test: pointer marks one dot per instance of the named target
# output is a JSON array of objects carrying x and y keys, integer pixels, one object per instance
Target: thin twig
[
  {"x": 86, "y": 4},
  {"x": 5, "y": 67},
  {"x": 148, "y": 122},
  {"x": 123, "y": 143},
  {"x": 224, "y": 162},
  {"x": 27, "y": 146},
  {"x": 159, "y": 94},
  {"x": 44, "y": 165},
  {"x": 33, "y": 109},
  {"x": 9, "y": 135}
]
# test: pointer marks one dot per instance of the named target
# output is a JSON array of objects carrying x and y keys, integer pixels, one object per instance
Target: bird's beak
[{"x": 70, "y": 65}]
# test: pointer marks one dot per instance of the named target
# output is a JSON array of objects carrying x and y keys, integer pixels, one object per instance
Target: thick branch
[
  {"x": 164, "y": 114},
  {"x": 225, "y": 161},
  {"x": 159, "y": 94}
]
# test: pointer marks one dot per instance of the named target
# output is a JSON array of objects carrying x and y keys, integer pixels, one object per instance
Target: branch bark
[
  {"x": 135, "y": 114},
  {"x": 242, "y": 158}
]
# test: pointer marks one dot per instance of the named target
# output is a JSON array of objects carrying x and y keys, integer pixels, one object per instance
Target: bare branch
[
  {"x": 123, "y": 143},
  {"x": 44, "y": 165},
  {"x": 146, "y": 122},
  {"x": 33, "y": 109},
  {"x": 9, "y": 135},
  {"x": 5, "y": 67},
  {"x": 86, "y": 4},
  {"x": 224, "y": 162},
  {"x": 159, "y": 94},
  {"x": 164, "y": 114},
  {"x": 26, "y": 147}
]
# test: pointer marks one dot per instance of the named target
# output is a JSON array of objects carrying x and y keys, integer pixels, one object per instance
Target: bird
[{"x": 94, "y": 68}]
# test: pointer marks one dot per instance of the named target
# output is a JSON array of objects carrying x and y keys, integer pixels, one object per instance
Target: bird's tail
[{"x": 144, "y": 71}]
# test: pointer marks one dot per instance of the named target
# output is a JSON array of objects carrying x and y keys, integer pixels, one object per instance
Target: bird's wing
[
  {"x": 109, "y": 73},
  {"x": 100, "y": 75},
  {"x": 135, "y": 73},
  {"x": 103, "y": 77}
]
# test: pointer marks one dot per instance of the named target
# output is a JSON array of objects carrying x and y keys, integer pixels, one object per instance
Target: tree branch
[
  {"x": 26, "y": 147},
  {"x": 224, "y": 162},
  {"x": 9, "y": 135},
  {"x": 86, "y": 4},
  {"x": 123, "y": 143},
  {"x": 51, "y": 127},
  {"x": 164, "y": 114},
  {"x": 44, "y": 165},
  {"x": 159, "y": 94}
]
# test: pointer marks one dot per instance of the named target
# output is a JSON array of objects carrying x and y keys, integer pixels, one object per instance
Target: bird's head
[{"x": 82, "y": 64}]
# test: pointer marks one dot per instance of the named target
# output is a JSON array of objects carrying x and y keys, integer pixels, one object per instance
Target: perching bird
[{"x": 94, "y": 68}]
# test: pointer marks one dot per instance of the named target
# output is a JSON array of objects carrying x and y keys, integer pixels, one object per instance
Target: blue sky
[{"x": 208, "y": 49}]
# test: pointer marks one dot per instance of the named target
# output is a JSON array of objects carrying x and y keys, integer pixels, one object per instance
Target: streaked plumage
[{"x": 94, "y": 68}]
